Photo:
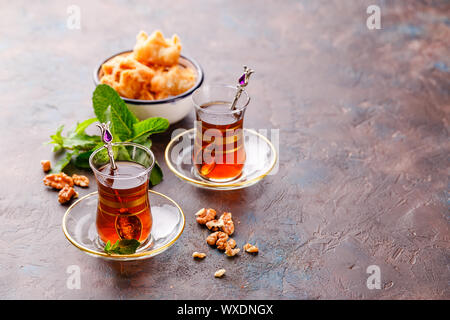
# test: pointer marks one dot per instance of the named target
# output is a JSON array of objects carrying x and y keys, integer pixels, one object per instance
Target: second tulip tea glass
[{"x": 219, "y": 151}]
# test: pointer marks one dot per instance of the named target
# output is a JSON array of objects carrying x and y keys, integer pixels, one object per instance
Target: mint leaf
[
  {"x": 84, "y": 125},
  {"x": 144, "y": 140},
  {"x": 115, "y": 245},
  {"x": 82, "y": 141},
  {"x": 128, "y": 246},
  {"x": 73, "y": 144},
  {"x": 82, "y": 160},
  {"x": 150, "y": 126},
  {"x": 121, "y": 153},
  {"x": 76, "y": 138},
  {"x": 124, "y": 246},
  {"x": 64, "y": 160},
  {"x": 156, "y": 175},
  {"x": 109, "y": 106},
  {"x": 107, "y": 246},
  {"x": 57, "y": 139}
]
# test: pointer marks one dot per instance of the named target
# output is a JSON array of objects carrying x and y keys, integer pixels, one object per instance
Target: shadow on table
[{"x": 128, "y": 269}]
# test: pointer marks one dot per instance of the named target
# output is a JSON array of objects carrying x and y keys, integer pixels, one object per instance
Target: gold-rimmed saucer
[
  {"x": 261, "y": 159},
  {"x": 168, "y": 224}
]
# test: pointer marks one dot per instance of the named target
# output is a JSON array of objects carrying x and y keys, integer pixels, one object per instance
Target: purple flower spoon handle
[
  {"x": 242, "y": 83},
  {"x": 107, "y": 138}
]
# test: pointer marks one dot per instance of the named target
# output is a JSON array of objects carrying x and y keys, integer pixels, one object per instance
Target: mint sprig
[
  {"x": 124, "y": 246},
  {"x": 109, "y": 106},
  {"x": 76, "y": 138},
  {"x": 125, "y": 127}
]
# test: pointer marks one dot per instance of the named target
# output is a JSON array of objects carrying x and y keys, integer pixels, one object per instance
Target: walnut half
[
  {"x": 214, "y": 225},
  {"x": 251, "y": 248},
  {"x": 198, "y": 255},
  {"x": 219, "y": 273},
  {"x": 229, "y": 251},
  {"x": 228, "y": 224},
  {"x": 81, "y": 181},
  {"x": 224, "y": 223},
  {"x": 46, "y": 165},
  {"x": 58, "y": 180},
  {"x": 67, "y": 193},
  {"x": 205, "y": 215},
  {"x": 219, "y": 239}
]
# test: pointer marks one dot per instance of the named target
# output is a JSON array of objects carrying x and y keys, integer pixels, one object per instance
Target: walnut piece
[
  {"x": 214, "y": 225},
  {"x": 228, "y": 224},
  {"x": 205, "y": 215},
  {"x": 219, "y": 273},
  {"x": 251, "y": 248},
  {"x": 224, "y": 223},
  {"x": 229, "y": 251},
  {"x": 222, "y": 229},
  {"x": 81, "y": 181},
  {"x": 46, "y": 165},
  {"x": 229, "y": 248},
  {"x": 67, "y": 193},
  {"x": 232, "y": 243},
  {"x": 218, "y": 238},
  {"x": 199, "y": 255},
  {"x": 58, "y": 180},
  {"x": 221, "y": 242},
  {"x": 212, "y": 238}
]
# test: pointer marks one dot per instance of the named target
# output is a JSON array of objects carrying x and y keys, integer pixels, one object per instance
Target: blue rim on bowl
[{"x": 183, "y": 61}]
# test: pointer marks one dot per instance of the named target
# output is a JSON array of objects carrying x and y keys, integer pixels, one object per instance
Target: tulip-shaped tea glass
[
  {"x": 219, "y": 153},
  {"x": 123, "y": 209}
]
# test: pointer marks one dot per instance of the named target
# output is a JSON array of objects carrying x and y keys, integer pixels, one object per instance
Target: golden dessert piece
[
  {"x": 151, "y": 71},
  {"x": 172, "y": 81},
  {"x": 156, "y": 50}
]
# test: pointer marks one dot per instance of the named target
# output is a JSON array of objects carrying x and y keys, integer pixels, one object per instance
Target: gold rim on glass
[
  {"x": 215, "y": 184},
  {"x": 121, "y": 256}
]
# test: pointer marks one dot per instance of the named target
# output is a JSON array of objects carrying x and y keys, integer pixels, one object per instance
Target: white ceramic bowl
[{"x": 173, "y": 108}]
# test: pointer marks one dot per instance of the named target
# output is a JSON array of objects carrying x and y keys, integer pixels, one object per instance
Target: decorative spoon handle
[
  {"x": 107, "y": 138},
  {"x": 242, "y": 83}
]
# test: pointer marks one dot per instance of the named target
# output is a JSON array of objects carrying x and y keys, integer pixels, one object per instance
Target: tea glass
[
  {"x": 219, "y": 151},
  {"x": 123, "y": 208}
]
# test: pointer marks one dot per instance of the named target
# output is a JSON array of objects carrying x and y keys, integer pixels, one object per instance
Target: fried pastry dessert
[
  {"x": 151, "y": 71},
  {"x": 156, "y": 50}
]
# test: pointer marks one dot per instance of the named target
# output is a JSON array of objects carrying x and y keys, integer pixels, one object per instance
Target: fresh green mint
[
  {"x": 124, "y": 246},
  {"x": 125, "y": 127},
  {"x": 108, "y": 106}
]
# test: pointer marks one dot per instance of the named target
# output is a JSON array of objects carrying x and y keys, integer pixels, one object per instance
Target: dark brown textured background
[{"x": 364, "y": 148}]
